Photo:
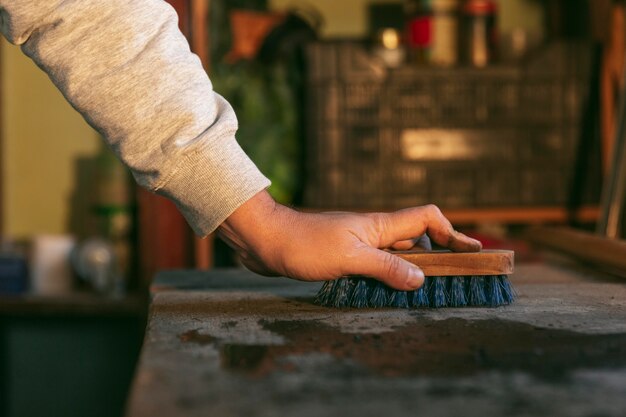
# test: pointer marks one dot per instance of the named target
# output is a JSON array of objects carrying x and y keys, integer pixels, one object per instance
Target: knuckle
[
  {"x": 381, "y": 221},
  {"x": 433, "y": 209},
  {"x": 435, "y": 212},
  {"x": 391, "y": 265}
]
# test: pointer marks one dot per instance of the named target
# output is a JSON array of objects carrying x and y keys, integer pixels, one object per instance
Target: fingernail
[
  {"x": 475, "y": 242},
  {"x": 416, "y": 278}
]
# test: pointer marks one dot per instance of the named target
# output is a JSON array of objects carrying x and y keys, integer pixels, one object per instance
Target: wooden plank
[
  {"x": 183, "y": 9},
  {"x": 609, "y": 254},
  {"x": 511, "y": 215},
  {"x": 612, "y": 83},
  {"x": 164, "y": 236},
  {"x": 1, "y": 146},
  {"x": 203, "y": 252},
  {"x": 203, "y": 248},
  {"x": 75, "y": 304},
  {"x": 210, "y": 335},
  {"x": 446, "y": 263},
  {"x": 200, "y": 31},
  {"x": 165, "y": 239},
  {"x": 522, "y": 215},
  {"x": 199, "y": 40}
]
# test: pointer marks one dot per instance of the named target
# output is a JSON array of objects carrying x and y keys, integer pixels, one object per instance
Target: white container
[
  {"x": 389, "y": 49},
  {"x": 51, "y": 273}
]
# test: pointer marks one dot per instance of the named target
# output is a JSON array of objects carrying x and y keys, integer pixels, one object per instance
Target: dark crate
[{"x": 500, "y": 136}]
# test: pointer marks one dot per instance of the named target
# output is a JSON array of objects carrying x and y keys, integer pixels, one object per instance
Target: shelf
[
  {"x": 521, "y": 215},
  {"x": 605, "y": 253},
  {"x": 75, "y": 304},
  {"x": 512, "y": 215}
]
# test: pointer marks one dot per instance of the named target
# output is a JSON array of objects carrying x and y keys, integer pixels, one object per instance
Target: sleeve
[{"x": 126, "y": 67}]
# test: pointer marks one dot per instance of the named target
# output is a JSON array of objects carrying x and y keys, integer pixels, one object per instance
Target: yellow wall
[
  {"x": 521, "y": 14},
  {"x": 343, "y": 18},
  {"x": 42, "y": 137}
]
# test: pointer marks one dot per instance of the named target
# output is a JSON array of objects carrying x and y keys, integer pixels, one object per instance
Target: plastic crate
[{"x": 380, "y": 138}]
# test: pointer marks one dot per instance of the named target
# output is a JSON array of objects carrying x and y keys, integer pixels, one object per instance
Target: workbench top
[{"x": 231, "y": 343}]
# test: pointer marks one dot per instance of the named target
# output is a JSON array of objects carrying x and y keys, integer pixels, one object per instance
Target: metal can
[
  {"x": 433, "y": 31},
  {"x": 480, "y": 32},
  {"x": 418, "y": 29}
]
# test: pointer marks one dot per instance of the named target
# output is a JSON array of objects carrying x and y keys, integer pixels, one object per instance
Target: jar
[
  {"x": 388, "y": 47},
  {"x": 480, "y": 32},
  {"x": 113, "y": 206}
]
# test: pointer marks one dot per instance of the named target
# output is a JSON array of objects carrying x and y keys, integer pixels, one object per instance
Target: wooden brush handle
[{"x": 446, "y": 263}]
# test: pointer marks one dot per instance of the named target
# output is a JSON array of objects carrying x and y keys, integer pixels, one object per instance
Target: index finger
[{"x": 408, "y": 223}]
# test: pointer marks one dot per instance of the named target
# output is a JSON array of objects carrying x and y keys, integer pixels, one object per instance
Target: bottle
[
  {"x": 113, "y": 206},
  {"x": 480, "y": 32},
  {"x": 445, "y": 33}
]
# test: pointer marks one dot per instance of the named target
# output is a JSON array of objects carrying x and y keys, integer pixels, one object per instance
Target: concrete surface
[{"x": 230, "y": 343}]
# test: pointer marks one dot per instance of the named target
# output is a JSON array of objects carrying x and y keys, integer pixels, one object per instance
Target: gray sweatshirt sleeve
[{"x": 125, "y": 66}]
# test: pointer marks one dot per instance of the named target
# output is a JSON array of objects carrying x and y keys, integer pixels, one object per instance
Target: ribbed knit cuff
[{"x": 211, "y": 183}]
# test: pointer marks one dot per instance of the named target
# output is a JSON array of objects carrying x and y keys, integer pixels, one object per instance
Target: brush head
[
  {"x": 437, "y": 292},
  {"x": 476, "y": 279}
]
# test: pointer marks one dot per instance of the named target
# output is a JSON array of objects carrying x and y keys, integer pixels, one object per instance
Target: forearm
[{"x": 127, "y": 68}]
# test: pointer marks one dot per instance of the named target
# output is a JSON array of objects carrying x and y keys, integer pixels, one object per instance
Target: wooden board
[
  {"x": 608, "y": 254},
  {"x": 446, "y": 263},
  {"x": 215, "y": 335},
  {"x": 509, "y": 215}
]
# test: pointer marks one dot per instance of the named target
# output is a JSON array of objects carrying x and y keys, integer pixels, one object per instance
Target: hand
[{"x": 272, "y": 239}]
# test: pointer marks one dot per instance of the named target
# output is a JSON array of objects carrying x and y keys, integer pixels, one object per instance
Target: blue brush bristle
[
  {"x": 477, "y": 291},
  {"x": 379, "y": 295},
  {"x": 343, "y": 291},
  {"x": 325, "y": 293},
  {"x": 466, "y": 286},
  {"x": 359, "y": 297},
  {"x": 398, "y": 299},
  {"x": 456, "y": 292},
  {"x": 494, "y": 292},
  {"x": 428, "y": 286},
  {"x": 437, "y": 292},
  {"x": 419, "y": 297},
  {"x": 508, "y": 292}
]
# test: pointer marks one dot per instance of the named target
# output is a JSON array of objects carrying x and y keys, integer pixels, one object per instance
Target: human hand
[{"x": 272, "y": 239}]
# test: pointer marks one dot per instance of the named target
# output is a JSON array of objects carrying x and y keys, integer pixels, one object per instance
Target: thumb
[{"x": 390, "y": 269}]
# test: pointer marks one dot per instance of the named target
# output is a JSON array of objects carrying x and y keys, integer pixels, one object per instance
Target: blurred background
[{"x": 503, "y": 113}]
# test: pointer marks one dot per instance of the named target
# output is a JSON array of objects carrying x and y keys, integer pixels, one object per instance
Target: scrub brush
[{"x": 453, "y": 279}]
